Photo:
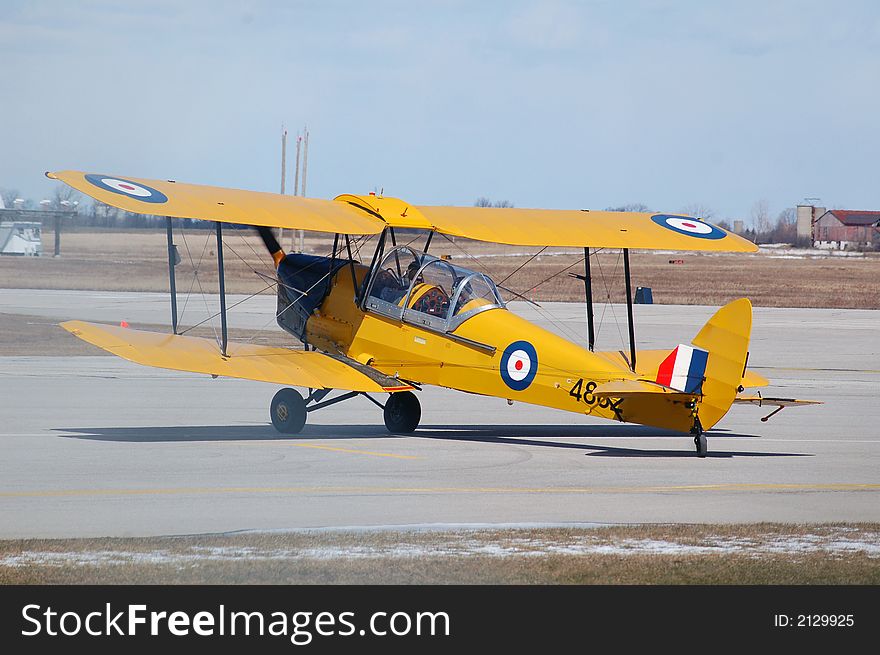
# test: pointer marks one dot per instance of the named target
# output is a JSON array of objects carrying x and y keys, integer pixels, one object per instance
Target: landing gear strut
[{"x": 700, "y": 441}]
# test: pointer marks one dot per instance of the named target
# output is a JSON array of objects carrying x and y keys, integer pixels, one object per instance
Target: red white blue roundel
[
  {"x": 519, "y": 365},
  {"x": 689, "y": 226},
  {"x": 127, "y": 188}
]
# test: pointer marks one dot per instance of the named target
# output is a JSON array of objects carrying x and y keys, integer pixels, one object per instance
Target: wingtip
[
  {"x": 51, "y": 175},
  {"x": 71, "y": 326}
]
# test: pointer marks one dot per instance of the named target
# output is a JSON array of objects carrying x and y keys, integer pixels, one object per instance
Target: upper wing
[
  {"x": 169, "y": 198},
  {"x": 352, "y": 214},
  {"x": 252, "y": 362},
  {"x": 558, "y": 227},
  {"x": 584, "y": 229}
]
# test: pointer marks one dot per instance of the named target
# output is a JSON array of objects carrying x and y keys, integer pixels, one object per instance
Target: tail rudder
[{"x": 725, "y": 338}]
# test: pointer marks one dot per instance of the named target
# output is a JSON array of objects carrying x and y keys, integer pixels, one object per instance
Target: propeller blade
[{"x": 271, "y": 243}]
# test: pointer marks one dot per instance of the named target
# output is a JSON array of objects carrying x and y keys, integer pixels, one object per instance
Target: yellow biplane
[{"x": 411, "y": 319}]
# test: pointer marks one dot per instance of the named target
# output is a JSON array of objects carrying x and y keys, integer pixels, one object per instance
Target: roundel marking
[
  {"x": 127, "y": 188},
  {"x": 519, "y": 365},
  {"x": 689, "y": 226}
]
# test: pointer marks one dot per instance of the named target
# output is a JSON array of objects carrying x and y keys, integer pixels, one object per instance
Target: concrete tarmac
[{"x": 96, "y": 446}]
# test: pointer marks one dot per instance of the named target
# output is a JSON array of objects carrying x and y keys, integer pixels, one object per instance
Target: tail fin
[
  {"x": 683, "y": 369},
  {"x": 726, "y": 338}
]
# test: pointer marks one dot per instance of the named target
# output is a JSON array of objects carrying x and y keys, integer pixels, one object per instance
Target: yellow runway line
[
  {"x": 355, "y": 452},
  {"x": 183, "y": 491},
  {"x": 335, "y": 449}
]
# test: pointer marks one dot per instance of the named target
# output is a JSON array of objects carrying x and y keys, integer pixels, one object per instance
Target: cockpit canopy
[{"x": 419, "y": 288}]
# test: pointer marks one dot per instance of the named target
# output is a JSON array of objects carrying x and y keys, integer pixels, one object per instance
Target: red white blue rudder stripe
[{"x": 684, "y": 369}]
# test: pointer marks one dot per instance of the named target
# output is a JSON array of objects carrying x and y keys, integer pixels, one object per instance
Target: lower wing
[{"x": 298, "y": 368}]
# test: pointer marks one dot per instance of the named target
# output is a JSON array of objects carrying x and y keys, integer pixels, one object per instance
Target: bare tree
[
  {"x": 761, "y": 216},
  {"x": 630, "y": 207},
  {"x": 9, "y": 196},
  {"x": 65, "y": 197},
  {"x": 785, "y": 230},
  {"x": 698, "y": 210},
  {"x": 483, "y": 201},
  {"x": 787, "y": 216}
]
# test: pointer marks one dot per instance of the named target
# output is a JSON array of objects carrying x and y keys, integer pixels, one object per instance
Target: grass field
[
  {"x": 136, "y": 261},
  {"x": 637, "y": 554}
]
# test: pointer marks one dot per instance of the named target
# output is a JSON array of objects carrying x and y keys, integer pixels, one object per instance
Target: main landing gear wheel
[
  {"x": 402, "y": 412},
  {"x": 288, "y": 411}
]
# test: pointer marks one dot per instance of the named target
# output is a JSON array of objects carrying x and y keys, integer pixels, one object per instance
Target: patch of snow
[{"x": 830, "y": 541}]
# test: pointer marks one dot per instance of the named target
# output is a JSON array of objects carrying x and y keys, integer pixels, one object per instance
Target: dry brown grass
[
  {"x": 532, "y": 556},
  {"x": 22, "y": 335},
  {"x": 136, "y": 261}
]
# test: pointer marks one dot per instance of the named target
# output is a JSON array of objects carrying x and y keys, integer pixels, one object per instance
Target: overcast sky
[{"x": 545, "y": 103}]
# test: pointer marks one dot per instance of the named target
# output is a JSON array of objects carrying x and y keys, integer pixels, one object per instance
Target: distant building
[
  {"x": 840, "y": 229},
  {"x": 20, "y": 238},
  {"x": 807, "y": 215}
]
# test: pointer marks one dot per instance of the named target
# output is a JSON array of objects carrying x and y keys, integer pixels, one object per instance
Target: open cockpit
[{"x": 415, "y": 287}]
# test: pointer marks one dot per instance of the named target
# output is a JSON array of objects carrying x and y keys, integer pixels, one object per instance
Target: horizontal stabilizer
[
  {"x": 760, "y": 401},
  {"x": 297, "y": 368},
  {"x": 778, "y": 403},
  {"x": 752, "y": 380},
  {"x": 632, "y": 388}
]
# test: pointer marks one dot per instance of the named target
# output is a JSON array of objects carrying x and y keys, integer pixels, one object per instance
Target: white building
[{"x": 20, "y": 238}]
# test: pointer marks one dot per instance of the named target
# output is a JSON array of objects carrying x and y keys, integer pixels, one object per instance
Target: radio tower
[
  {"x": 283, "y": 166},
  {"x": 300, "y": 233}
]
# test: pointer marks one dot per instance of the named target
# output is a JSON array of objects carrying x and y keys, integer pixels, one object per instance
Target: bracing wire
[
  {"x": 198, "y": 281},
  {"x": 553, "y": 320},
  {"x": 523, "y": 265},
  {"x": 608, "y": 304}
]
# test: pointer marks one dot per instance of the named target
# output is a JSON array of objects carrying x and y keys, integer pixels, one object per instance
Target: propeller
[{"x": 271, "y": 243}]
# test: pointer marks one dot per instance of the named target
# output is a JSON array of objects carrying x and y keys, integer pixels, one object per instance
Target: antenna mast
[
  {"x": 300, "y": 233},
  {"x": 283, "y": 165}
]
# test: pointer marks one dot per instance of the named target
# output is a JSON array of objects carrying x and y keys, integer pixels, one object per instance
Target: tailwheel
[
  {"x": 288, "y": 411},
  {"x": 700, "y": 441},
  {"x": 402, "y": 412}
]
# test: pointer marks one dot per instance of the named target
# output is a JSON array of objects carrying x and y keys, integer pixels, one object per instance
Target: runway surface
[{"x": 96, "y": 446}]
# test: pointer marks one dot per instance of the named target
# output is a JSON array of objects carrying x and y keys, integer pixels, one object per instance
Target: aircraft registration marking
[{"x": 584, "y": 393}]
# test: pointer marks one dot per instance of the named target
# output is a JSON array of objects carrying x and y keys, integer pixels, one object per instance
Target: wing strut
[
  {"x": 172, "y": 262},
  {"x": 222, "y": 278},
  {"x": 354, "y": 282},
  {"x": 629, "y": 309},
  {"x": 588, "y": 293},
  {"x": 368, "y": 278},
  {"x": 587, "y": 279}
]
